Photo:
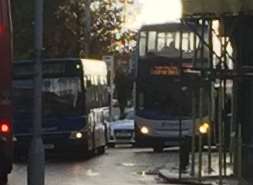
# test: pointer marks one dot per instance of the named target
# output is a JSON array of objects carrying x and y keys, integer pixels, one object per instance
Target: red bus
[{"x": 6, "y": 143}]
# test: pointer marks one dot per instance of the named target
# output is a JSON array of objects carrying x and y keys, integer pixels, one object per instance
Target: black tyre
[
  {"x": 158, "y": 149},
  {"x": 111, "y": 145},
  {"x": 101, "y": 150},
  {"x": 3, "y": 179}
]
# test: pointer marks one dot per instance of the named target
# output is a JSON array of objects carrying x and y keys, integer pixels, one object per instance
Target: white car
[{"x": 122, "y": 131}]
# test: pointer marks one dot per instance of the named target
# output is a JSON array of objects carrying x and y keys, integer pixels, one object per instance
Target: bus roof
[
  {"x": 94, "y": 67},
  {"x": 90, "y": 66}
]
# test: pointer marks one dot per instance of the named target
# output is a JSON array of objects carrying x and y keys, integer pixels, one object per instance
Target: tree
[
  {"x": 64, "y": 28},
  {"x": 23, "y": 12},
  {"x": 106, "y": 23},
  {"x": 23, "y": 18}
]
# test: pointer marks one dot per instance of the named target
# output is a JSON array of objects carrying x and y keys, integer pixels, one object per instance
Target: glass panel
[
  {"x": 177, "y": 40},
  {"x": 61, "y": 96},
  {"x": 185, "y": 42},
  {"x": 161, "y": 41},
  {"x": 168, "y": 45},
  {"x": 173, "y": 103},
  {"x": 192, "y": 41},
  {"x": 151, "y": 41},
  {"x": 170, "y": 39},
  {"x": 188, "y": 45},
  {"x": 142, "y": 44}
]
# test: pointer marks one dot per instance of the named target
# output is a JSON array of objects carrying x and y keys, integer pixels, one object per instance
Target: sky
[{"x": 154, "y": 11}]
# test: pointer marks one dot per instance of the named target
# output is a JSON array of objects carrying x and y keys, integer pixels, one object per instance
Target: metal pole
[
  {"x": 210, "y": 103},
  {"x": 224, "y": 111},
  {"x": 223, "y": 130},
  {"x": 194, "y": 100},
  {"x": 220, "y": 132},
  {"x": 87, "y": 27},
  {"x": 235, "y": 124},
  {"x": 237, "y": 105},
  {"x": 180, "y": 150},
  {"x": 201, "y": 94},
  {"x": 111, "y": 89},
  {"x": 180, "y": 107},
  {"x": 231, "y": 129},
  {"x": 200, "y": 135},
  {"x": 111, "y": 71},
  {"x": 239, "y": 165},
  {"x": 36, "y": 163},
  {"x": 194, "y": 111}
]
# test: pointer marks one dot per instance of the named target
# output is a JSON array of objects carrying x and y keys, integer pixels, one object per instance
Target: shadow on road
[{"x": 53, "y": 158}]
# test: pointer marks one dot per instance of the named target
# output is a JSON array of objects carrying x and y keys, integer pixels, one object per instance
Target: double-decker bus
[
  {"x": 74, "y": 98},
  {"x": 163, "y": 96},
  {"x": 6, "y": 146}
]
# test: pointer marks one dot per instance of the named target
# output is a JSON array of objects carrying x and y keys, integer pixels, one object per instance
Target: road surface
[{"x": 118, "y": 166}]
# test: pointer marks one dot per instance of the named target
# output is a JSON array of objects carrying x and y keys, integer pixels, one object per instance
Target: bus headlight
[
  {"x": 76, "y": 135},
  {"x": 203, "y": 128},
  {"x": 79, "y": 135},
  {"x": 144, "y": 130}
]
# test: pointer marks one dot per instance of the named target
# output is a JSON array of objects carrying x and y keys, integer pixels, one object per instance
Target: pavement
[{"x": 170, "y": 173}]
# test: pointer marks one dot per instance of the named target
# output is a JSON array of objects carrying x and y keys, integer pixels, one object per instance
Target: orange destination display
[{"x": 164, "y": 71}]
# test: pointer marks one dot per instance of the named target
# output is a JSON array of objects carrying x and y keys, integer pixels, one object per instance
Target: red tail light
[
  {"x": 4, "y": 127},
  {"x": 1, "y": 29}
]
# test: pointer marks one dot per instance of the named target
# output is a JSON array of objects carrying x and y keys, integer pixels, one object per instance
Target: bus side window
[{"x": 152, "y": 42}]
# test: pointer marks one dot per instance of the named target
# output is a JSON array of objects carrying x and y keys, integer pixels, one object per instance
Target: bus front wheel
[
  {"x": 111, "y": 145},
  {"x": 158, "y": 149},
  {"x": 101, "y": 150}
]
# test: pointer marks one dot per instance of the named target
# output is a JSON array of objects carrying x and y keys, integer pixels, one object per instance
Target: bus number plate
[{"x": 123, "y": 134}]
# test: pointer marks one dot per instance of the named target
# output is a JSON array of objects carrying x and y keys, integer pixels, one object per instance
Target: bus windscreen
[{"x": 61, "y": 96}]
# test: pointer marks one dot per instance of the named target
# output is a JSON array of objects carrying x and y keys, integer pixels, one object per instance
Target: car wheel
[
  {"x": 158, "y": 149},
  {"x": 3, "y": 179}
]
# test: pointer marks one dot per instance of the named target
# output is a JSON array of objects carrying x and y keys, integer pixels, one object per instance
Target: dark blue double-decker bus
[{"x": 74, "y": 99}]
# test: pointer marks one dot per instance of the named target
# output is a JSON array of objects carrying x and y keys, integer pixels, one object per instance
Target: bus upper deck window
[
  {"x": 161, "y": 41},
  {"x": 142, "y": 44},
  {"x": 152, "y": 41}
]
